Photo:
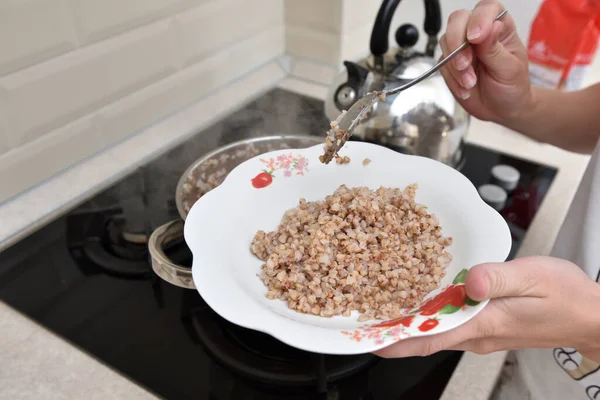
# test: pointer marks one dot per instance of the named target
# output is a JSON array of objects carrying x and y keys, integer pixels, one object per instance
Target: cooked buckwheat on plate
[
  {"x": 342, "y": 259},
  {"x": 374, "y": 251}
]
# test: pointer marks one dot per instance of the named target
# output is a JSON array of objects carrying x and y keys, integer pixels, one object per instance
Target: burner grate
[{"x": 98, "y": 241}]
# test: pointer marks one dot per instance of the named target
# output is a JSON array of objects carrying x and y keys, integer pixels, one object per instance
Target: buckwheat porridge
[{"x": 375, "y": 252}]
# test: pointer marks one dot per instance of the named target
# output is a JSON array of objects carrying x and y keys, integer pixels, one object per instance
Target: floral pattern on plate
[
  {"x": 450, "y": 300},
  {"x": 288, "y": 163}
]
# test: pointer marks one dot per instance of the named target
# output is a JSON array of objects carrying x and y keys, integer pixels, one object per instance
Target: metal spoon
[{"x": 342, "y": 128}]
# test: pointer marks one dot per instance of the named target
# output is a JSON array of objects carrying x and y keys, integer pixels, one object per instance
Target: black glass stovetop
[{"x": 87, "y": 278}]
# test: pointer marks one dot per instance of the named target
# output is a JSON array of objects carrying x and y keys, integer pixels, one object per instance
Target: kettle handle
[
  {"x": 433, "y": 24},
  {"x": 433, "y": 18},
  {"x": 381, "y": 28}
]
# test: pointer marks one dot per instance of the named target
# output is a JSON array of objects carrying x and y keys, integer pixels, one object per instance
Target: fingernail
[
  {"x": 464, "y": 94},
  {"x": 461, "y": 62},
  {"x": 469, "y": 80},
  {"x": 474, "y": 32}
]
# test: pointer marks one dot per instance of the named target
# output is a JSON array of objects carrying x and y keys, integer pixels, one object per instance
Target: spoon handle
[{"x": 436, "y": 67}]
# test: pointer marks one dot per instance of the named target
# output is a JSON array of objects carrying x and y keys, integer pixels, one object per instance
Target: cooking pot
[{"x": 205, "y": 174}]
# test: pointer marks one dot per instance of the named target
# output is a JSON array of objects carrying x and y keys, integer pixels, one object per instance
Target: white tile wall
[
  {"x": 319, "y": 15},
  {"x": 355, "y": 43},
  {"x": 358, "y": 13},
  {"x": 214, "y": 21},
  {"x": 50, "y": 94},
  {"x": 306, "y": 69},
  {"x": 33, "y": 31},
  {"x": 130, "y": 114},
  {"x": 97, "y": 20},
  {"x": 304, "y": 87},
  {"x": 312, "y": 29},
  {"x": 79, "y": 75},
  {"x": 4, "y": 146},
  {"x": 42, "y": 158},
  {"x": 320, "y": 46}
]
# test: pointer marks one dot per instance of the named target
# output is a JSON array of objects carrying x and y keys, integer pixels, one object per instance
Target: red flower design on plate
[
  {"x": 289, "y": 163},
  {"x": 262, "y": 180},
  {"x": 405, "y": 321},
  {"x": 429, "y": 324},
  {"x": 448, "y": 301},
  {"x": 451, "y": 299}
]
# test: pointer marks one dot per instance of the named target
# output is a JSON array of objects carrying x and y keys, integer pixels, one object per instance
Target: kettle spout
[
  {"x": 357, "y": 75},
  {"x": 353, "y": 89}
]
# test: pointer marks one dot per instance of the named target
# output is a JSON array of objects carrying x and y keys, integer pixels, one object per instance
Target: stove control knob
[
  {"x": 493, "y": 195},
  {"x": 506, "y": 177}
]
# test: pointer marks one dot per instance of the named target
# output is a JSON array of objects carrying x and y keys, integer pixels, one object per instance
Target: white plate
[{"x": 220, "y": 226}]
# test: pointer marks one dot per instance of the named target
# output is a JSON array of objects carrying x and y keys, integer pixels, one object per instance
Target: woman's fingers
[
  {"x": 479, "y": 26},
  {"x": 455, "y": 36},
  {"x": 465, "y": 77},
  {"x": 490, "y": 36},
  {"x": 459, "y": 91},
  {"x": 461, "y": 67},
  {"x": 517, "y": 278},
  {"x": 481, "y": 29}
]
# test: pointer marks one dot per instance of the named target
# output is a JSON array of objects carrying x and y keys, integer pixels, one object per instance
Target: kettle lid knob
[{"x": 407, "y": 36}]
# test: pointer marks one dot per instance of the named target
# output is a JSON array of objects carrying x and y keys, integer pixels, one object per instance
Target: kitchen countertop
[{"x": 38, "y": 364}]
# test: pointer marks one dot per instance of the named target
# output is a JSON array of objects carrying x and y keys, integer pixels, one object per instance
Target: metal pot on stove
[
  {"x": 199, "y": 178},
  {"x": 424, "y": 120}
]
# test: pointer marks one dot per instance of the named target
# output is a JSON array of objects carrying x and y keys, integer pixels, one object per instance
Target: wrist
[
  {"x": 528, "y": 115},
  {"x": 590, "y": 343}
]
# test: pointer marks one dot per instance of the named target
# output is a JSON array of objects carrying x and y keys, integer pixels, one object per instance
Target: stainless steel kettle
[{"x": 424, "y": 120}]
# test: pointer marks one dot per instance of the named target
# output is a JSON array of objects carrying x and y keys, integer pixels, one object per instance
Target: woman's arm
[
  {"x": 570, "y": 120},
  {"x": 491, "y": 81}
]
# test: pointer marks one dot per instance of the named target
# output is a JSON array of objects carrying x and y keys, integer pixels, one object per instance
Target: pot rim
[{"x": 204, "y": 158}]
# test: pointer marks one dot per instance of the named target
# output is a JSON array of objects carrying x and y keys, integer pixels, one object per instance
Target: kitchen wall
[
  {"x": 313, "y": 29},
  {"x": 77, "y": 76}
]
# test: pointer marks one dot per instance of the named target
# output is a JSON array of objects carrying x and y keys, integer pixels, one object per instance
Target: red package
[{"x": 563, "y": 41}]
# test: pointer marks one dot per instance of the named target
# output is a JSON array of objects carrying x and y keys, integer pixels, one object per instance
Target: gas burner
[
  {"x": 125, "y": 245},
  {"x": 266, "y": 364},
  {"x": 97, "y": 240},
  {"x": 224, "y": 386},
  {"x": 138, "y": 238}
]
